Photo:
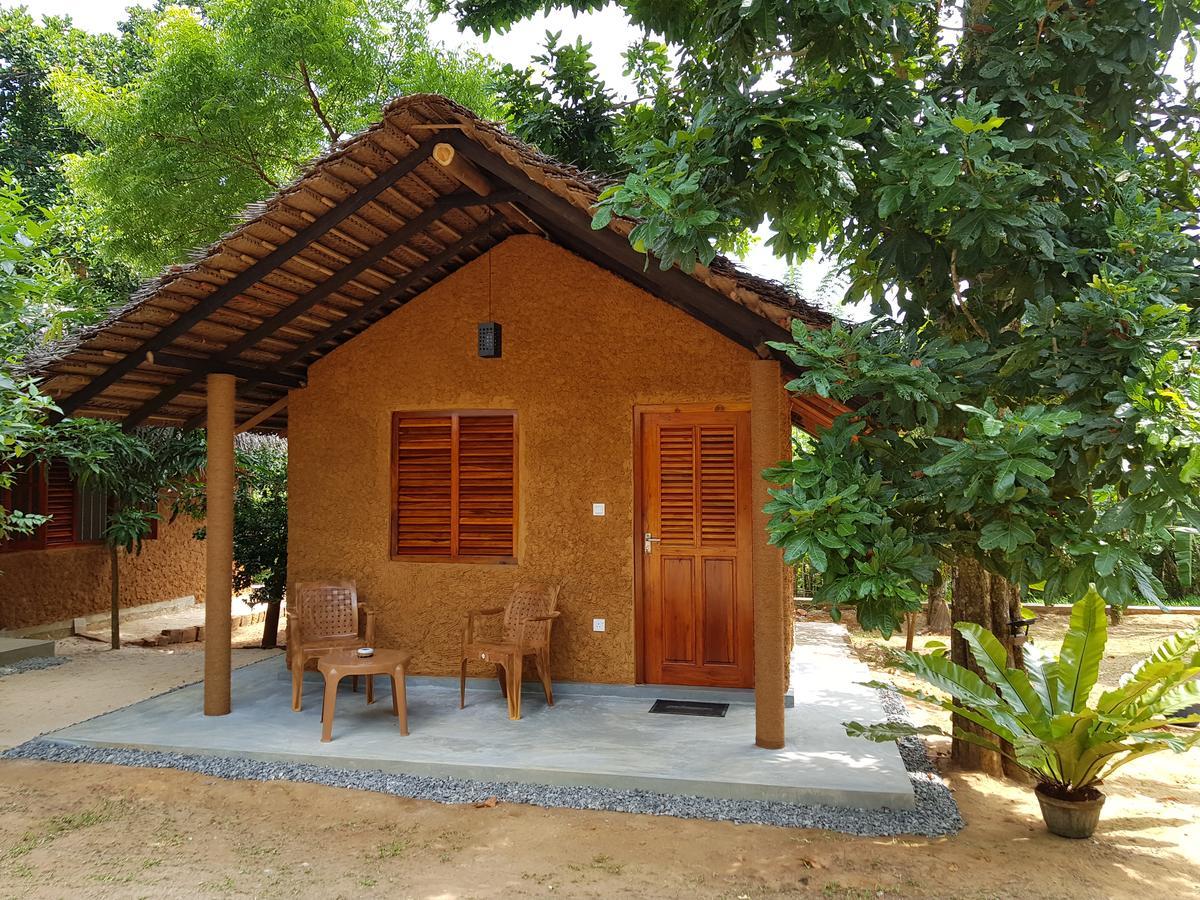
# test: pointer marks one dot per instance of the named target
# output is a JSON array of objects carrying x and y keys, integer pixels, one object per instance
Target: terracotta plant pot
[{"x": 1070, "y": 818}]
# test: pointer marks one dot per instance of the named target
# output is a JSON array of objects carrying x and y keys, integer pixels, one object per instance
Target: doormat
[{"x": 690, "y": 708}]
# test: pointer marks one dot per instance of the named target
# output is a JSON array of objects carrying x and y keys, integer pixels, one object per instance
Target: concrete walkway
[
  {"x": 16, "y": 649},
  {"x": 586, "y": 739}
]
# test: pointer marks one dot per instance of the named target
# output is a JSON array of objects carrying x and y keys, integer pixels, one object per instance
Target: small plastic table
[{"x": 339, "y": 664}]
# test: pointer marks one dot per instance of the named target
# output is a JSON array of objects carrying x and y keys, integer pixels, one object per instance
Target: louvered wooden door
[{"x": 696, "y": 604}]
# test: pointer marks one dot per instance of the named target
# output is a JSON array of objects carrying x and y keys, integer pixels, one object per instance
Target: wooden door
[{"x": 696, "y": 604}]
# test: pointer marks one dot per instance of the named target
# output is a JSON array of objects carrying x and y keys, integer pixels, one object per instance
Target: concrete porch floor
[{"x": 589, "y": 738}]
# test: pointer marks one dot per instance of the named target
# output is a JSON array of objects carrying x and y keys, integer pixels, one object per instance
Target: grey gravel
[
  {"x": 936, "y": 813},
  {"x": 32, "y": 664}
]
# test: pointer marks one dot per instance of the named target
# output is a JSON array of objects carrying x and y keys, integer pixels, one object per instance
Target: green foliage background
[
  {"x": 119, "y": 153},
  {"x": 1011, "y": 187}
]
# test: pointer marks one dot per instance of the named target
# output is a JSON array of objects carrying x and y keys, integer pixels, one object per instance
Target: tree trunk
[
  {"x": 271, "y": 626},
  {"x": 937, "y": 614},
  {"x": 992, "y": 602},
  {"x": 115, "y": 611}
]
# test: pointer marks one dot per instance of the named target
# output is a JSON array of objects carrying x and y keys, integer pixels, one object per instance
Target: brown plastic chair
[
  {"x": 324, "y": 616},
  {"x": 524, "y": 631}
]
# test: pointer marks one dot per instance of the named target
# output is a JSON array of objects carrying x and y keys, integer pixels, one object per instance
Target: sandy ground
[
  {"x": 137, "y": 631},
  {"x": 101, "y": 831}
]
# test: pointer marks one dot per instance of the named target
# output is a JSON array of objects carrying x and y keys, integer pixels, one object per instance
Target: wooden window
[
  {"x": 60, "y": 505},
  {"x": 27, "y": 493},
  {"x": 78, "y": 515},
  {"x": 454, "y": 486},
  {"x": 91, "y": 515}
]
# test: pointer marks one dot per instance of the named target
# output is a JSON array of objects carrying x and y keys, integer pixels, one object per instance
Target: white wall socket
[
  {"x": 597, "y": 624},
  {"x": 597, "y": 509}
]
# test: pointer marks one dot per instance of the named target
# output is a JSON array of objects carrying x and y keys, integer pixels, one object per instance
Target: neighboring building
[
  {"x": 62, "y": 571},
  {"x": 612, "y": 441}
]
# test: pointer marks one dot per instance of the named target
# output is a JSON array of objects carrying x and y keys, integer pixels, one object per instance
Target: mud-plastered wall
[
  {"x": 581, "y": 349},
  {"x": 38, "y": 587}
]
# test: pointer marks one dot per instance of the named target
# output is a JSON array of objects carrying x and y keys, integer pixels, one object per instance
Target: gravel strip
[
  {"x": 936, "y": 813},
  {"x": 32, "y": 664}
]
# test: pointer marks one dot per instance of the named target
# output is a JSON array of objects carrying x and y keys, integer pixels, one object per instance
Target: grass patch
[
  {"x": 57, "y": 826},
  {"x": 60, "y": 825},
  {"x": 398, "y": 846},
  {"x": 21, "y": 870},
  {"x": 599, "y": 863}
]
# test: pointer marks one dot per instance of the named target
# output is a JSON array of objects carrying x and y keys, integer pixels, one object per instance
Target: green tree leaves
[
  {"x": 260, "y": 516},
  {"x": 231, "y": 104},
  {"x": 45, "y": 287},
  {"x": 1058, "y": 735},
  {"x": 1028, "y": 395}
]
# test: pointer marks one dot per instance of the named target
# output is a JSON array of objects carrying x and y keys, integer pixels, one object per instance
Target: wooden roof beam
[
  {"x": 249, "y": 424},
  {"x": 404, "y": 286},
  {"x": 259, "y": 417},
  {"x": 344, "y": 274},
  {"x": 201, "y": 366},
  {"x": 320, "y": 226},
  {"x": 460, "y": 169},
  {"x": 468, "y": 175},
  {"x": 672, "y": 285}
]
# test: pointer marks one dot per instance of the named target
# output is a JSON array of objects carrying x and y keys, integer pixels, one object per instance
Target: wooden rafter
[
  {"x": 269, "y": 263},
  {"x": 318, "y": 293},
  {"x": 396, "y": 292},
  {"x": 202, "y": 366},
  {"x": 263, "y": 415},
  {"x": 701, "y": 302}
]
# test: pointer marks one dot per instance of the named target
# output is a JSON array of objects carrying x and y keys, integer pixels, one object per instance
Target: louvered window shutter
[
  {"x": 697, "y": 472},
  {"x": 60, "y": 505},
  {"x": 455, "y": 486},
  {"x": 486, "y": 492},
  {"x": 91, "y": 514},
  {"x": 27, "y": 493},
  {"x": 423, "y": 477}
]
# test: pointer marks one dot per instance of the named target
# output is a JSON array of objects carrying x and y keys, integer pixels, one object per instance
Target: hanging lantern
[
  {"x": 489, "y": 332},
  {"x": 489, "y": 340}
]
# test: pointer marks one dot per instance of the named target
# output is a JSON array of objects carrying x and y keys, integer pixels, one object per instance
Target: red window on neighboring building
[
  {"x": 26, "y": 494},
  {"x": 78, "y": 514}
]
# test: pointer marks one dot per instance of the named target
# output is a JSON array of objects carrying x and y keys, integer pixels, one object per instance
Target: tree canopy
[
  {"x": 1011, "y": 185},
  {"x": 233, "y": 98}
]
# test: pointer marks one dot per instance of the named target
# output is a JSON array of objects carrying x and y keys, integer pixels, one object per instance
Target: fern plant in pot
[{"x": 1043, "y": 718}]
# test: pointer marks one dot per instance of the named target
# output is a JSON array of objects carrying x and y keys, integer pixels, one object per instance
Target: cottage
[
  {"x": 62, "y": 571},
  {"x": 478, "y": 387}
]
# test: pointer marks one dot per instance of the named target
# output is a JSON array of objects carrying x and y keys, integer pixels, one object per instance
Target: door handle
[{"x": 649, "y": 540}]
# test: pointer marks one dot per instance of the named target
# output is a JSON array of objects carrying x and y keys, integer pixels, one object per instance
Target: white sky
[{"x": 608, "y": 32}]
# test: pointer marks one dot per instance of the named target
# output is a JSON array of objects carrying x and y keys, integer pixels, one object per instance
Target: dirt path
[{"x": 101, "y": 831}]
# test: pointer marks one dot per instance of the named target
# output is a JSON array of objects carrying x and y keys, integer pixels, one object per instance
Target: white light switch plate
[
  {"x": 597, "y": 624},
  {"x": 597, "y": 509}
]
